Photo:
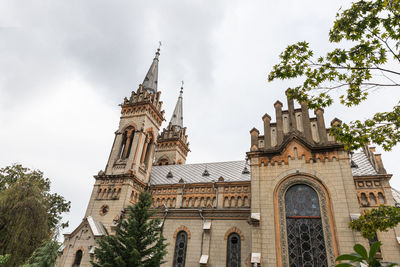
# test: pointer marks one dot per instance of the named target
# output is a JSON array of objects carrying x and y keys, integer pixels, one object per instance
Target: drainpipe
[
  {"x": 202, "y": 233},
  {"x": 164, "y": 218}
]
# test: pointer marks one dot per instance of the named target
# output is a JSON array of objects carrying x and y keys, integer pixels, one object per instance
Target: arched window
[
  {"x": 233, "y": 251},
  {"x": 126, "y": 145},
  {"x": 78, "y": 258},
  {"x": 305, "y": 235},
  {"x": 180, "y": 249},
  {"x": 149, "y": 147}
]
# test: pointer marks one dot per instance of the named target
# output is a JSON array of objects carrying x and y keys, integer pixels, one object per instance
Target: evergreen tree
[
  {"x": 138, "y": 240},
  {"x": 45, "y": 255}
]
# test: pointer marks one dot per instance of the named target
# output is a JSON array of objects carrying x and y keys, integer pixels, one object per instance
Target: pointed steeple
[
  {"x": 177, "y": 116},
  {"x": 151, "y": 79}
]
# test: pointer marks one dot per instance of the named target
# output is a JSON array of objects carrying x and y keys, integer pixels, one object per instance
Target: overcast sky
[{"x": 66, "y": 65}]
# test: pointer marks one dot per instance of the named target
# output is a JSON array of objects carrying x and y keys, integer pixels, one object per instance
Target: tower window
[{"x": 126, "y": 145}]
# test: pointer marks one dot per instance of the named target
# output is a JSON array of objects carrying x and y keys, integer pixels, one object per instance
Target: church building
[{"x": 288, "y": 204}]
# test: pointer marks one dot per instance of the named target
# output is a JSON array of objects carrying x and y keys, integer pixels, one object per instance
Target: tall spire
[
  {"x": 177, "y": 116},
  {"x": 151, "y": 79}
]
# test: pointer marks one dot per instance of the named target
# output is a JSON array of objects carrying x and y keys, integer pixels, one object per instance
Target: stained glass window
[
  {"x": 180, "y": 249},
  {"x": 233, "y": 251},
  {"x": 305, "y": 233}
]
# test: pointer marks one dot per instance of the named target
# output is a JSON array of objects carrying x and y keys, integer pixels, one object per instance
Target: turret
[{"x": 172, "y": 145}]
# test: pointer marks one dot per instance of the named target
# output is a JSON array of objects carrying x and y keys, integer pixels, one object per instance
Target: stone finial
[
  {"x": 278, "y": 103},
  {"x": 266, "y": 117}
]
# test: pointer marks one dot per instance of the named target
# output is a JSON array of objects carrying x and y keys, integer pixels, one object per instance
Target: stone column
[
  {"x": 292, "y": 116},
  {"x": 306, "y": 122},
  {"x": 254, "y": 139},
  {"x": 323, "y": 137},
  {"x": 279, "y": 122},
  {"x": 267, "y": 131}
]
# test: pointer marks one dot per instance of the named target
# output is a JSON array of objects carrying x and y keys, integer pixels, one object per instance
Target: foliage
[
  {"x": 27, "y": 212},
  {"x": 45, "y": 255},
  {"x": 369, "y": 34},
  {"x": 380, "y": 219},
  {"x": 138, "y": 240},
  {"x": 361, "y": 255},
  {"x": 4, "y": 259},
  {"x": 56, "y": 203}
]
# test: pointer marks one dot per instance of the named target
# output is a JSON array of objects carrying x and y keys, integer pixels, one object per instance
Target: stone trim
[
  {"x": 182, "y": 228},
  {"x": 280, "y": 221},
  {"x": 234, "y": 230}
]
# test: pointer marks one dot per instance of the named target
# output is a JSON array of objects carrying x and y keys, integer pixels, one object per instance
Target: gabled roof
[
  {"x": 96, "y": 227},
  {"x": 231, "y": 171}
]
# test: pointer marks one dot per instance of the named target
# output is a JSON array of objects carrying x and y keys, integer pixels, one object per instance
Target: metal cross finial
[
  {"x": 159, "y": 45},
  {"x": 182, "y": 86}
]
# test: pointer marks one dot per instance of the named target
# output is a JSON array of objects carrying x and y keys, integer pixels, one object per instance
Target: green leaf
[
  {"x": 343, "y": 265},
  {"x": 349, "y": 257},
  {"x": 360, "y": 249},
  {"x": 373, "y": 250}
]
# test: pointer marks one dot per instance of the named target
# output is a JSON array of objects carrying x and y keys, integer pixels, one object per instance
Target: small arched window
[
  {"x": 233, "y": 251},
  {"x": 180, "y": 249},
  {"x": 78, "y": 258}
]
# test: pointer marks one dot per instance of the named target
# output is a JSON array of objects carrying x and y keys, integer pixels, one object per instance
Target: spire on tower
[
  {"x": 151, "y": 79},
  {"x": 177, "y": 116}
]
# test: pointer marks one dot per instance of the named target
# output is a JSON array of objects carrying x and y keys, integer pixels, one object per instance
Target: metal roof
[
  {"x": 97, "y": 227},
  {"x": 231, "y": 171},
  {"x": 364, "y": 166}
]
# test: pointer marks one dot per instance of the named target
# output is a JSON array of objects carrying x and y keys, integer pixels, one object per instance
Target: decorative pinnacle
[
  {"x": 182, "y": 87},
  {"x": 158, "y": 49}
]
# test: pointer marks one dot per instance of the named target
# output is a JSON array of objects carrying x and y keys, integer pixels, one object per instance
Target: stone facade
[{"x": 229, "y": 212}]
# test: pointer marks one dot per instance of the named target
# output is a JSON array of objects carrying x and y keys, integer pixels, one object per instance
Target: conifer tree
[{"x": 138, "y": 240}]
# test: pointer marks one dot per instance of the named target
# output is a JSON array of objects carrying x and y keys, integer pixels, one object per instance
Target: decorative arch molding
[
  {"x": 128, "y": 125},
  {"x": 326, "y": 216},
  {"x": 234, "y": 230},
  {"x": 311, "y": 174},
  {"x": 80, "y": 248},
  {"x": 162, "y": 159},
  {"x": 182, "y": 228},
  {"x": 150, "y": 132}
]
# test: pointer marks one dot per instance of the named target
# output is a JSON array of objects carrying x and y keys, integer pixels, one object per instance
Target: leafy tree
[
  {"x": 28, "y": 212},
  {"x": 361, "y": 255},
  {"x": 368, "y": 35},
  {"x": 56, "y": 203},
  {"x": 138, "y": 240},
  {"x": 380, "y": 219},
  {"x": 4, "y": 259}
]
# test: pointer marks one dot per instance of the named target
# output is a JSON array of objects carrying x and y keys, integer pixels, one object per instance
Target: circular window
[{"x": 103, "y": 210}]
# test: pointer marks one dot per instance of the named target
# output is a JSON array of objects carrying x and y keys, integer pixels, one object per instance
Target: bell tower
[
  {"x": 172, "y": 145},
  {"x": 131, "y": 158}
]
